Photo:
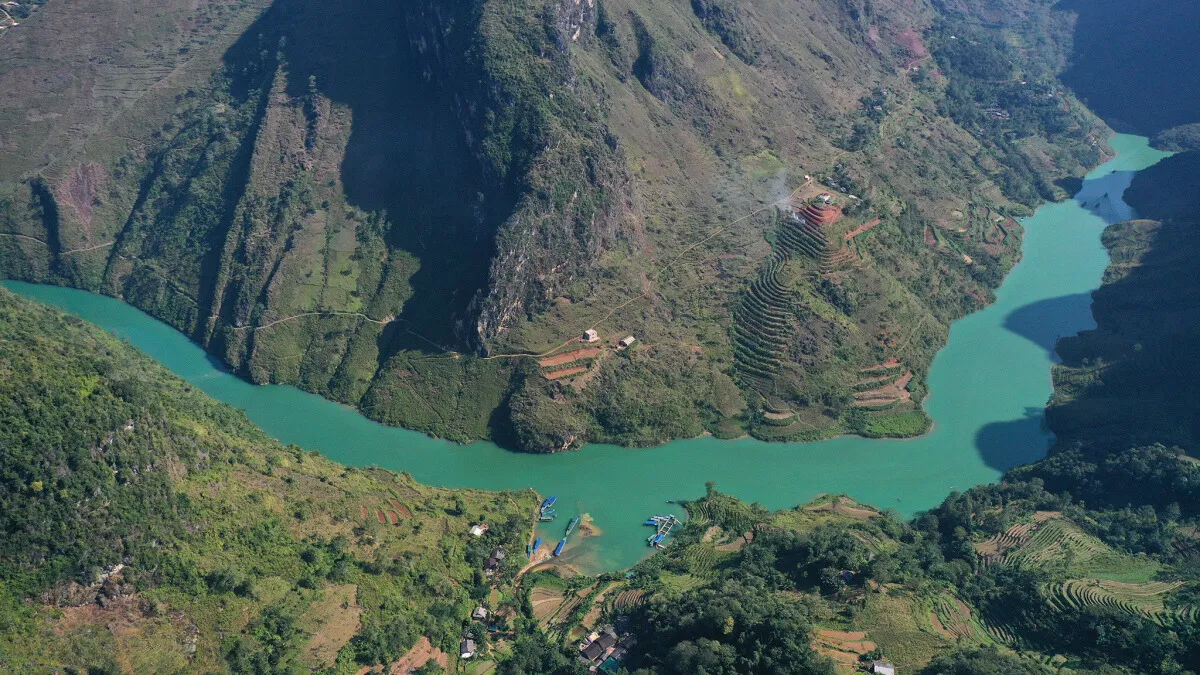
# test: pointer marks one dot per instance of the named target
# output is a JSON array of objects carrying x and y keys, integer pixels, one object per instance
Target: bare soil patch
[
  {"x": 911, "y": 41},
  {"x": 937, "y": 626},
  {"x": 587, "y": 353},
  {"x": 79, "y": 190},
  {"x": 889, "y": 393},
  {"x": 565, "y": 372},
  {"x": 423, "y": 652},
  {"x": 862, "y": 228},
  {"x": 333, "y": 620},
  {"x": 845, "y": 507},
  {"x": 403, "y": 510}
]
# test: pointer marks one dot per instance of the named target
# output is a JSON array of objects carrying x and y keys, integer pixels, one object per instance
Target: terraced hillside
[{"x": 399, "y": 206}]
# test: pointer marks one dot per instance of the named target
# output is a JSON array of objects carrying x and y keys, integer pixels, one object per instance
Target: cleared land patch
[
  {"x": 568, "y": 357},
  {"x": 331, "y": 621}
]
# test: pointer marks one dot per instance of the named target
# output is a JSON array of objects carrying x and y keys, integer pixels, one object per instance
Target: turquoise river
[{"x": 989, "y": 387}]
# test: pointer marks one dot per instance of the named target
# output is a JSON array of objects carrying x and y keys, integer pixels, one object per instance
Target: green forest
[{"x": 150, "y": 529}]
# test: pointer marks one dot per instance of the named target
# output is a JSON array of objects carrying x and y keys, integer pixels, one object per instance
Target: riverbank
[{"x": 988, "y": 389}]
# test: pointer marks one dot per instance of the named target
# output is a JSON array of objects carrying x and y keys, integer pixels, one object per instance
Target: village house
[
  {"x": 478, "y": 530},
  {"x": 599, "y": 645},
  {"x": 590, "y": 335},
  {"x": 882, "y": 668},
  {"x": 493, "y": 562},
  {"x": 466, "y": 648},
  {"x": 480, "y": 613},
  {"x": 626, "y": 341}
]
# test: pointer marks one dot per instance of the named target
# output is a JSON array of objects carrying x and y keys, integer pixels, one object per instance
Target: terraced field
[
  {"x": 703, "y": 559},
  {"x": 1144, "y": 599},
  {"x": 1096, "y": 574},
  {"x": 762, "y": 322},
  {"x": 953, "y": 619},
  {"x": 731, "y": 516},
  {"x": 1060, "y": 542},
  {"x": 545, "y": 602}
]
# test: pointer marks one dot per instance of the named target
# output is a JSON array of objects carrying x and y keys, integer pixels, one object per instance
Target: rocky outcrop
[{"x": 556, "y": 186}]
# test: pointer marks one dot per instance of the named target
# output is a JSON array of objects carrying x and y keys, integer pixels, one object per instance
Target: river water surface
[{"x": 988, "y": 389}]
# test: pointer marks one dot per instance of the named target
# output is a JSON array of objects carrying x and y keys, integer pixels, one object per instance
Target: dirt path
[
  {"x": 47, "y": 245},
  {"x": 276, "y": 322}
]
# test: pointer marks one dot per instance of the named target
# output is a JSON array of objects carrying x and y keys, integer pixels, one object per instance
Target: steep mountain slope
[
  {"x": 1119, "y": 64},
  {"x": 397, "y": 205},
  {"x": 149, "y": 529},
  {"x": 1133, "y": 379}
]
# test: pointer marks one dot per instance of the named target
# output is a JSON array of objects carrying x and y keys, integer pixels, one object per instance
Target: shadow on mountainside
[
  {"x": 1126, "y": 63},
  {"x": 406, "y": 154}
]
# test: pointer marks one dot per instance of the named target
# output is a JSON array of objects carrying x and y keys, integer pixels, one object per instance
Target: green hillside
[
  {"x": 413, "y": 208},
  {"x": 149, "y": 529}
]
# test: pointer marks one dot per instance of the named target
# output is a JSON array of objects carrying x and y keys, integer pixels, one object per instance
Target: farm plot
[
  {"x": 1060, "y": 542},
  {"x": 1142, "y": 599}
]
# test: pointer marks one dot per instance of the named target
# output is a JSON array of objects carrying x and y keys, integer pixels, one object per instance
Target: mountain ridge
[{"x": 371, "y": 219}]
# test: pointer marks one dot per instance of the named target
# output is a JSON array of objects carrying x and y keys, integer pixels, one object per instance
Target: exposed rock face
[
  {"x": 366, "y": 205},
  {"x": 553, "y": 171}
]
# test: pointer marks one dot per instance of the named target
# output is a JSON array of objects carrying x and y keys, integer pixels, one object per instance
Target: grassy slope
[
  {"x": 245, "y": 178},
  {"x": 237, "y": 549}
]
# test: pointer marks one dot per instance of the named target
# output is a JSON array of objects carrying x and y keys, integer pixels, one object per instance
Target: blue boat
[
  {"x": 561, "y": 543},
  {"x": 657, "y": 539},
  {"x": 651, "y": 523},
  {"x": 536, "y": 545},
  {"x": 549, "y": 502}
]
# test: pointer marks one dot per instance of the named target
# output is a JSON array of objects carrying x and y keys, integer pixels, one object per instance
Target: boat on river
[
  {"x": 549, "y": 502},
  {"x": 571, "y": 526},
  {"x": 536, "y": 545},
  {"x": 561, "y": 543}
]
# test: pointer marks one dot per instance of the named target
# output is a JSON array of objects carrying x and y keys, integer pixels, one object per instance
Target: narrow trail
[
  {"x": 47, "y": 245},
  {"x": 89, "y": 248},
  {"x": 381, "y": 322}
]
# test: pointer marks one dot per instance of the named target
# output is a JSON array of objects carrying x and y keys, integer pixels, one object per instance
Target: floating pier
[{"x": 663, "y": 525}]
